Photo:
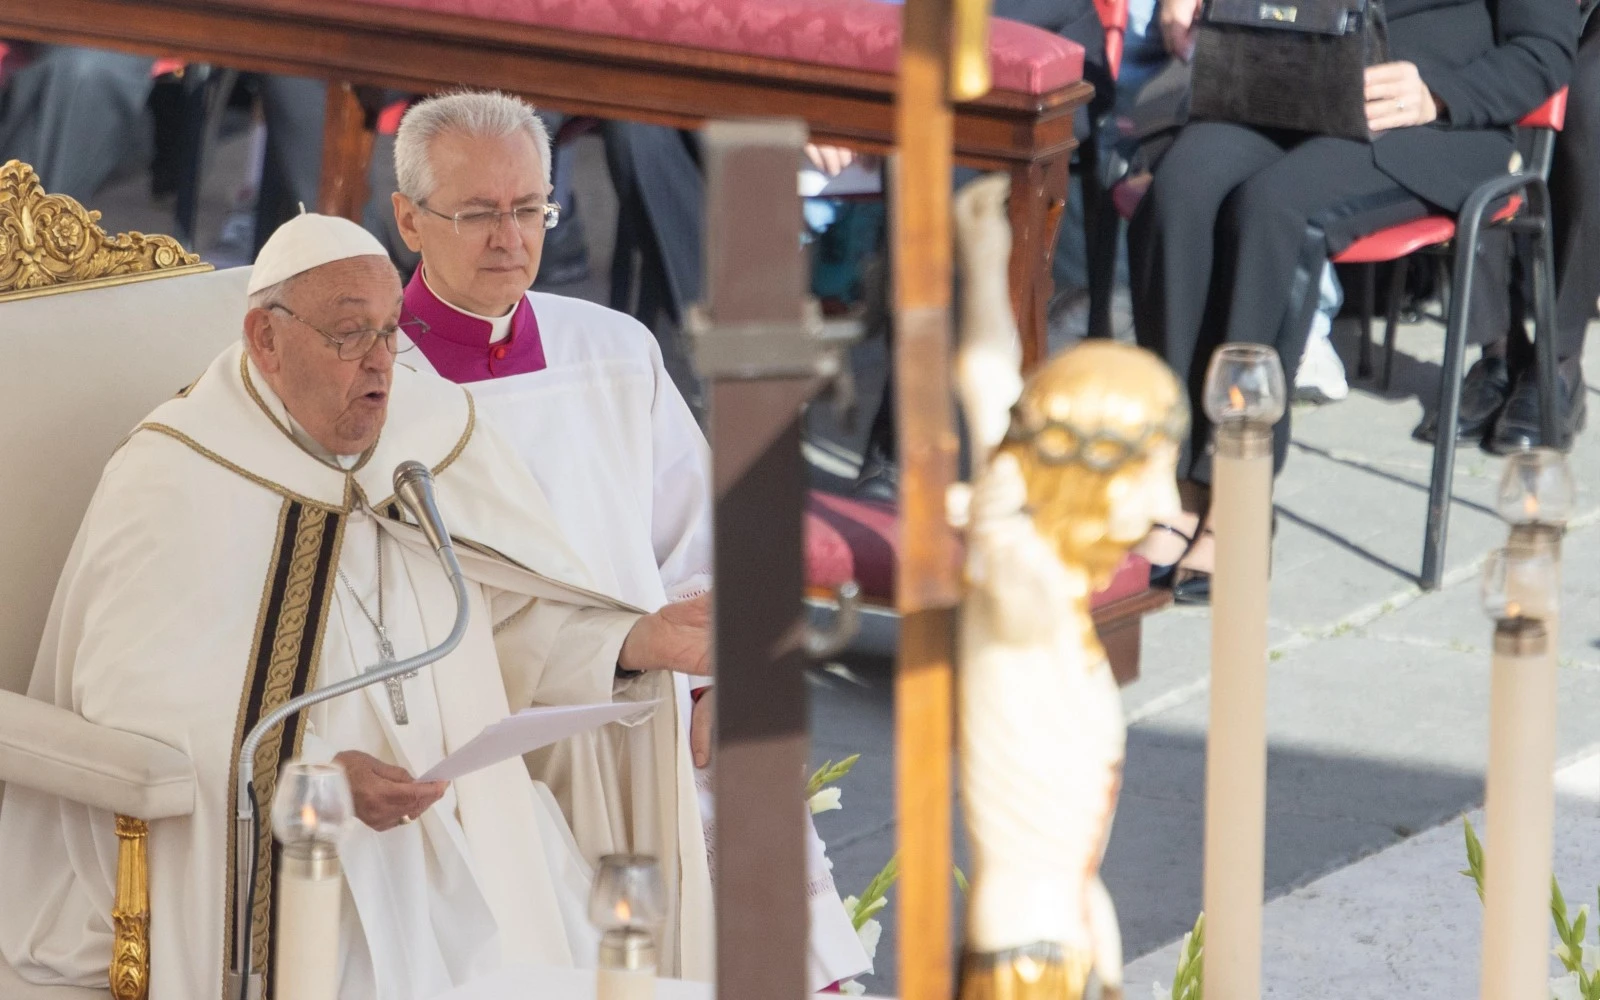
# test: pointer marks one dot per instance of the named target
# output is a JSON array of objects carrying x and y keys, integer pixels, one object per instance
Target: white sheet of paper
[{"x": 529, "y": 730}]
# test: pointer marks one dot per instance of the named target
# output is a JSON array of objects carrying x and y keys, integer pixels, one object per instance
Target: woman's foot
[
  {"x": 1191, "y": 582},
  {"x": 1165, "y": 547}
]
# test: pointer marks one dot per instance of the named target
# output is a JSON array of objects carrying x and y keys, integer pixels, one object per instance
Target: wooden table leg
[
  {"x": 1038, "y": 197},
  {"x": 347, "y": 138}
]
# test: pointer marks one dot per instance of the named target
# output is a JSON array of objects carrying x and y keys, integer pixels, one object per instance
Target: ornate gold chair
[{"x": 90, "y": 344}]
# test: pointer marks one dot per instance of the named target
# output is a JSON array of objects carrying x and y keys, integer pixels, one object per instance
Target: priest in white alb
[
  {"x": 581, "y": 393},
  {"x": 243, "y": 546}
]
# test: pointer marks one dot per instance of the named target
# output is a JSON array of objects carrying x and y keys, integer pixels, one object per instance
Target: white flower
[
  {"x": 825, "y": 800},
  {"x": 1591, "y": 958},
  {"x": 870, "y": 933},
  {"x": 1563, "y": 953},
  {"x": 852, "y": 988},
  {"x": 1565, "y": 988}
]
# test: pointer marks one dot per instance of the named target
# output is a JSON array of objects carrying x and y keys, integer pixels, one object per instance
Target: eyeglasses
[
  {"x": 529, "y": 219},
  {"x": 355, "y": 345}
]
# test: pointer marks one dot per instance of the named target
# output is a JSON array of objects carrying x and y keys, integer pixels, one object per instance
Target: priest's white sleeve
[
  {"x": 680, "y": 522},
  {"x": 557, "y": 654}
]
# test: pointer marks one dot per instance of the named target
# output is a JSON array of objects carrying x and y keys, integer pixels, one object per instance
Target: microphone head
[{"x": 411, "y": 473}]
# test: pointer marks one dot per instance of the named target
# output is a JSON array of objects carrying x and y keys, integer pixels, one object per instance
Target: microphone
[{"x": 413, "y": 486}]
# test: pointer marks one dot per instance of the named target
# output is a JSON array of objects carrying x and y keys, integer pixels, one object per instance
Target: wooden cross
[{"x": 937, "y": 36}]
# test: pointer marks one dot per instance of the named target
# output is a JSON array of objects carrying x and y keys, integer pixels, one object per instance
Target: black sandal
[
  {"x": 1195, "y": 587},
  {"x": 1164, "y": 576}
]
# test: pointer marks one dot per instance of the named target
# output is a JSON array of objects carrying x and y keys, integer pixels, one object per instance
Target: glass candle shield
[
  {"x": 1519, "y": 583},
  {"x": 1536, "y": 486},
  {"x": 312, "y": 804},
  {"x": 1245, "y": 384},
  {"x": 628, "y": 892}
]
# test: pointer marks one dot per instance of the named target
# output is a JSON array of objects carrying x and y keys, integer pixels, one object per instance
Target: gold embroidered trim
[
  {"x": 277, "y": 488},
  {"x": 238, "y": 738},
  {"x": 250, "y": 387},
  {"x": 288, "y": 637}
]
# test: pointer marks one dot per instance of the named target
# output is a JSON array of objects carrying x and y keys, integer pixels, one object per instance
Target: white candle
[
  {"x": 627, "y": 965},
  {"x": 1520, "y": 807},
  {"x": 310, "y": 893},
  {"x": 626, "y": 984},
  {"x": 1236, "y": 740}
]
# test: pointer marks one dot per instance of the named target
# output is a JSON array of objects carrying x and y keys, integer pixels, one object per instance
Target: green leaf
[
  {"x": 1558, "y": 913},
  {"x": 1474, "y": 856},
  {"x": 829, "y": 773},
  {"x": 875, "y": 896},
  {"x": 961, "y": 880},
  {"x": 1187, "y": 979}
]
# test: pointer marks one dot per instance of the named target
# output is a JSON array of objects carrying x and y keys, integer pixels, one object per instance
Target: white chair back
[{"x": 78, "y": 370}]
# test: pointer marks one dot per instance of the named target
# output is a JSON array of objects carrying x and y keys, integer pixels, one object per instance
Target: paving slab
[{"x": 1402, "y": 922}]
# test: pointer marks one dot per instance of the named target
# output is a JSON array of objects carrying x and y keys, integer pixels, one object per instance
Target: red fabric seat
[
  {"x": 858, "y": 540},
  {"x": 849, "y": 34}
]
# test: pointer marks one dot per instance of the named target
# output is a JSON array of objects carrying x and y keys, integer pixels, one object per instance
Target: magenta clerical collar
[{"x": 457, "y": 343}]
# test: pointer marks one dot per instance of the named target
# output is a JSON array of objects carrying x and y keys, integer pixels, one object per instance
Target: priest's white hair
[{"x": 468, "y": 112}]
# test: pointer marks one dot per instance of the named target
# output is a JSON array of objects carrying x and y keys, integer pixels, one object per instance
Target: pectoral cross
[{"x": 397, "y": 694}]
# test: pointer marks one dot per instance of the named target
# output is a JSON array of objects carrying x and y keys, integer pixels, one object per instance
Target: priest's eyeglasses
[
  {"x": 355, "y": 345},
  {"x": 529, "y": 219}
]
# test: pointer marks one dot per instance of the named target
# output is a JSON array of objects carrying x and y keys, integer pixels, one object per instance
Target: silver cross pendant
[{"x": 397, "y": 695}]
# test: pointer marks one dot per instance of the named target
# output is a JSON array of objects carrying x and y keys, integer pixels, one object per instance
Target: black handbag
[{"x": 1289, "y": 64}]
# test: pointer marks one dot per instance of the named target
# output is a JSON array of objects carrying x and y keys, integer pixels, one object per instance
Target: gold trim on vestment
[
  {"x": 277, "y": 488},
  {"x": 287, "y": 633},
  {"x": 50, "y": 243},
  {"x": 130, "y": 913}
]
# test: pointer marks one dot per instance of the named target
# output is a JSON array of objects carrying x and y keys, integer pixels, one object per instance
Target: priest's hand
[
  {"x": 700, "y": 720},
  {"x": 386, "y": 796},
  {"x": 677, "y": 637}
]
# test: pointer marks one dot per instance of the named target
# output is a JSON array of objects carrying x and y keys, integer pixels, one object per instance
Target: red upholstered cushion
[
  {"x": 849, "y": 34},
  {"x": 857, "y": 539}
]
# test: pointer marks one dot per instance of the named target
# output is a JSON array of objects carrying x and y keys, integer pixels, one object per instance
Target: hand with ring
[
  {"x": 386, "y": 796},
  {"x": 1397, "y": 97}
]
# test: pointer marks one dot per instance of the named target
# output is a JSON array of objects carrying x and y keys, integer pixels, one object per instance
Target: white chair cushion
[
  {"x": 13, "y": 988},
  {"x": 56, "y": 751}
]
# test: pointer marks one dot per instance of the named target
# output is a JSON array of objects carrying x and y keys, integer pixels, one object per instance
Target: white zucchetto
[{"x": 310, "y": 240}]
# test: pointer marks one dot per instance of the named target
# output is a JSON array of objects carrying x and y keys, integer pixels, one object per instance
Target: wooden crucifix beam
[{"x": 928, "y": 585}]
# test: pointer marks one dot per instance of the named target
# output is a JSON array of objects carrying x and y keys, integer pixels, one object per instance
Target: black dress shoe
[
  {"x": 1518, "y": 426},
  {"x": 1483, "y": 395},
  {"x": 878, "y": 480}
]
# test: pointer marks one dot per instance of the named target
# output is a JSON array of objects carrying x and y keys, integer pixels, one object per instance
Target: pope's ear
[
  {"x": 261, "y": 339},
  {"x": 405, "y": 219}
]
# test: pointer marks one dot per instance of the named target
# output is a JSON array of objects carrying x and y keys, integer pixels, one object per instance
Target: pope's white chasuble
[
  {"x": 627, "y": 472},
  {"x": 203, "y": 590}
]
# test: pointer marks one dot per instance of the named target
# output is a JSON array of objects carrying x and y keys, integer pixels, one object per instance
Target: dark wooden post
[
  {"x": 347, "y": 138},
  {"x": 757, "y": 341}
]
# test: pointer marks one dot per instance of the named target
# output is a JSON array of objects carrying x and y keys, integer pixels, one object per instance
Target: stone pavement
[{"x": 1378, "y": 697}]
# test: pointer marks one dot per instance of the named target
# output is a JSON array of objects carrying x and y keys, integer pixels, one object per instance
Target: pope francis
[{"x": 243, "y": 547}]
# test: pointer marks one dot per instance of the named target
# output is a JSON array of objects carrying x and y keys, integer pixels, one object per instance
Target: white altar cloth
[{"x": 512, "y": 983}]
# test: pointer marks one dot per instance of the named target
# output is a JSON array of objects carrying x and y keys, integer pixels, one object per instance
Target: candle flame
[
  {"x": 624, "y": 911},
  {"x": 1235, "y": 397},
  {"x": 1530, "y": 505},
  {"x": 308, "y": 816},
  {"x": 1513, "y": 609}
]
